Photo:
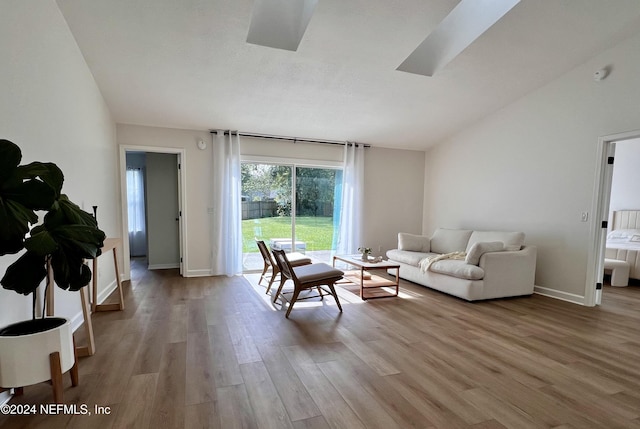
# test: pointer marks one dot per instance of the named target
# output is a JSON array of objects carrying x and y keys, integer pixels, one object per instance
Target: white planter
[{"x": 24, "y": 359}]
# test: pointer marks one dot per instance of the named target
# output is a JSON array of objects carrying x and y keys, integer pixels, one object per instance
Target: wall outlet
[{"x": 584, "y": 216}]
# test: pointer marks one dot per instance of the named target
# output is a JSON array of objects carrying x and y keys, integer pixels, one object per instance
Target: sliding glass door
[
  {"x": 314, "y": 209},
  {"x": 288, "y": 207}
]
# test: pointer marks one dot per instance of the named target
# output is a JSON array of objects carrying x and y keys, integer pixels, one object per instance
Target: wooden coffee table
[{"x": 370, "y": 287}]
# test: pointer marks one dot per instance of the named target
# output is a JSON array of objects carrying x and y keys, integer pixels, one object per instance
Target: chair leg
[
  {"x": 296, "y": 292},
  {"x": 274, "y": 273},
  {"x": 283, "y": 279},
  {"x": 264, "y": 271},
  {"x": 335, "y": 295}
]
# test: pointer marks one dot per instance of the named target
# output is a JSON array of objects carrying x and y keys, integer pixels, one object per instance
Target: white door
[{"x": 163, "y": 211}]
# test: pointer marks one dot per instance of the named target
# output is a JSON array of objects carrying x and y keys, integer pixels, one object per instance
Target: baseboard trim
[
  {"x": 78, "y": 319},
  {"x": 163, "y": 266},
  {"x": 198, "y": 273},
  {"x": 5, "y": 397},
  {"x": 558, "y": 294}
]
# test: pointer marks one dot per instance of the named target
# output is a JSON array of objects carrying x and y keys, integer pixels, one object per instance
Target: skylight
[
  {"x": 280, "y": 23},
  {"x": 466, "y": 22}
]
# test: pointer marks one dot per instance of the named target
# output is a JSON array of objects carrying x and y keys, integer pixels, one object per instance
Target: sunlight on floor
[{"x": 348, "y": 294}]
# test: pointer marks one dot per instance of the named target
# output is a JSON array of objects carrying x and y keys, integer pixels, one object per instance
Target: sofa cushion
[
  {"x": 415, "y": 243},
  {"x": 408, "y": 257},
  {"x": 450, "y": 240},
  {"x": 457, "y": 268},
  {"x": 511, "y": 240},
  {"x": 480, "y": 248}
]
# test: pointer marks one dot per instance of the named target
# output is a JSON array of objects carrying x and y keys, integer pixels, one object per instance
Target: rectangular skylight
[
  {"x": 280, "y": 23},
  {"x": 466, "y": 22}
]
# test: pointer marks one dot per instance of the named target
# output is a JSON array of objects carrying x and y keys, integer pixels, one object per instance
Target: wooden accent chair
[
  {"x": 296, "y": 260},
  {"x": 306, "y": 277}
]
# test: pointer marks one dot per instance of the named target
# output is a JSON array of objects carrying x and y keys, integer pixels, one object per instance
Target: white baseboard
[
  {"x": 78, "y": 319},
  {"x": 198, "y": 273},
  {"x": 558, "y": 294},
  {"x": 163, "y": 266}
]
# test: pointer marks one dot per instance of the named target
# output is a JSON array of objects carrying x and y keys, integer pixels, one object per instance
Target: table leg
[
  {"x": 397, "y": 281},
  {"x": 118, "y": 282},
  {"x": 94, "y": 295},
  {"x": 90, "y": 348}
]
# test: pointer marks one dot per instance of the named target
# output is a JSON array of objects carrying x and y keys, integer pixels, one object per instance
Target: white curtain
[
  {"x": 226, "y": 228},
  {"x": 351, "y": 213},
  {"x": 136, "y": 218}
]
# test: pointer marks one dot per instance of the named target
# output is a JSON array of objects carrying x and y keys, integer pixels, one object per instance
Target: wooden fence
[
  {"x": 262, "y": 209},
  {"x": 259, "y": 209}
]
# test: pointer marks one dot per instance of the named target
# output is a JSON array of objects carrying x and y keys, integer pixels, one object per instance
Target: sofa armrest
[{"x": 510, "y": 273}]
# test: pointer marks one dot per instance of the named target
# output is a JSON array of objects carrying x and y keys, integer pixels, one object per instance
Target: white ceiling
[{"x": 186, "y": 64}]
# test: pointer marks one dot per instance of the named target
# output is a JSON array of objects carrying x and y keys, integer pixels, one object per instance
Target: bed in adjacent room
[{"x": 623, "y": 241}]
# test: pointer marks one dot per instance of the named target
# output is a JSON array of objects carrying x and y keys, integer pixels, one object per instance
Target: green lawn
[{"x": 316, "y": 232}]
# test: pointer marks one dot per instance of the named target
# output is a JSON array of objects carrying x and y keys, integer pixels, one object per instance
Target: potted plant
[
  {"x": 366, "y": 251},
  {"x": 59, "y": 245}
]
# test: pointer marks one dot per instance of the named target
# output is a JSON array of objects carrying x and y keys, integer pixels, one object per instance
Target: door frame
[
  {"x": 600, "y": 211},
  {"x": 182, "y": 203}
]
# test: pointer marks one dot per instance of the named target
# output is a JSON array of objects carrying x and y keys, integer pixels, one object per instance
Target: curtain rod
[{"x": 294, "y": 139}]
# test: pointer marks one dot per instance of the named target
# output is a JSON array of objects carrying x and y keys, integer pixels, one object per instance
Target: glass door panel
[
  {"x": 266, "y": 209},
  {"x": 314, "y": 212}
]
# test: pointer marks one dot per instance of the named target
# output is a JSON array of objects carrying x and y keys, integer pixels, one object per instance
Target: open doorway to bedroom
[
  {"x": 623, "y": 227},
  {"x": 152, "y": 206},
  {"x": 616, "y": 226}
]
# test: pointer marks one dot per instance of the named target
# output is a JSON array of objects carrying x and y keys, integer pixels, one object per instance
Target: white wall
[
  {"x": 393, "y": 195},
  {"x": 531, "y": 166},
  {"x": 51, "y": 107},
  {"x": 625, "y": 187},
  {"x": 394, "y": 182}
]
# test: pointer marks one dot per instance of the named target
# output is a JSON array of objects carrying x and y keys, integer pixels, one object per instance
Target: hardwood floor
[{"x": 213, "y": 353}]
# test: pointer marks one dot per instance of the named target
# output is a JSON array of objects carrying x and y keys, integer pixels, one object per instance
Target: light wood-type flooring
[{"x": 213, "y": 353}]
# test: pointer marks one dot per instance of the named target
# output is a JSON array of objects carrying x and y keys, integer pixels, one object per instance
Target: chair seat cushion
[
  {"x": 296, "y": 259},
  {"x": 316, "y": 272}
]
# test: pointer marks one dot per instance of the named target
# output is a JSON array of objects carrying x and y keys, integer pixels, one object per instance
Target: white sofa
[{"x": 493, "y": 264}]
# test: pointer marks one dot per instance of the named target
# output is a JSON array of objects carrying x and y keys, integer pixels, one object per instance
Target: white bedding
[
  {"x": 623, "y": 242},
  {"x": 626, "y": 245}
]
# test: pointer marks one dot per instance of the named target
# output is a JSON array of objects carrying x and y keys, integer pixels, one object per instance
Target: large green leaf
[
  {"x": 69, "y": 270},
  {"x": 41, "y": 242},
  {"x": 22, "y": 192},
  {"x": 33, "y": 194},
  {"x": 48, "y": 172},
  {"x": 10, "y": 156},
  {"x": 25, "y": 275},
  {"x": 75, "y": 214},
  {"x": 14, "y": 224},
  {"x": 85, "y": 241}
]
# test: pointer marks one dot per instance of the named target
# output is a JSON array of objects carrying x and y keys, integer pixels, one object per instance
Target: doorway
[
  {"x": 153, "y": 207},
  {"x": 601, "y": 209}
]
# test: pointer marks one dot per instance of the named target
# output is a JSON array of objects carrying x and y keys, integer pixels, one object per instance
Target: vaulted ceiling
[{"x": 186, "y": 64}]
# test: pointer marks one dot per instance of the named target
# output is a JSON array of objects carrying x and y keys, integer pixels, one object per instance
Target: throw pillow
[
  {"x": 480, "y": 248},
  {"x": 446, "y": 240},
  {"x": 412, "y": 242}
]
